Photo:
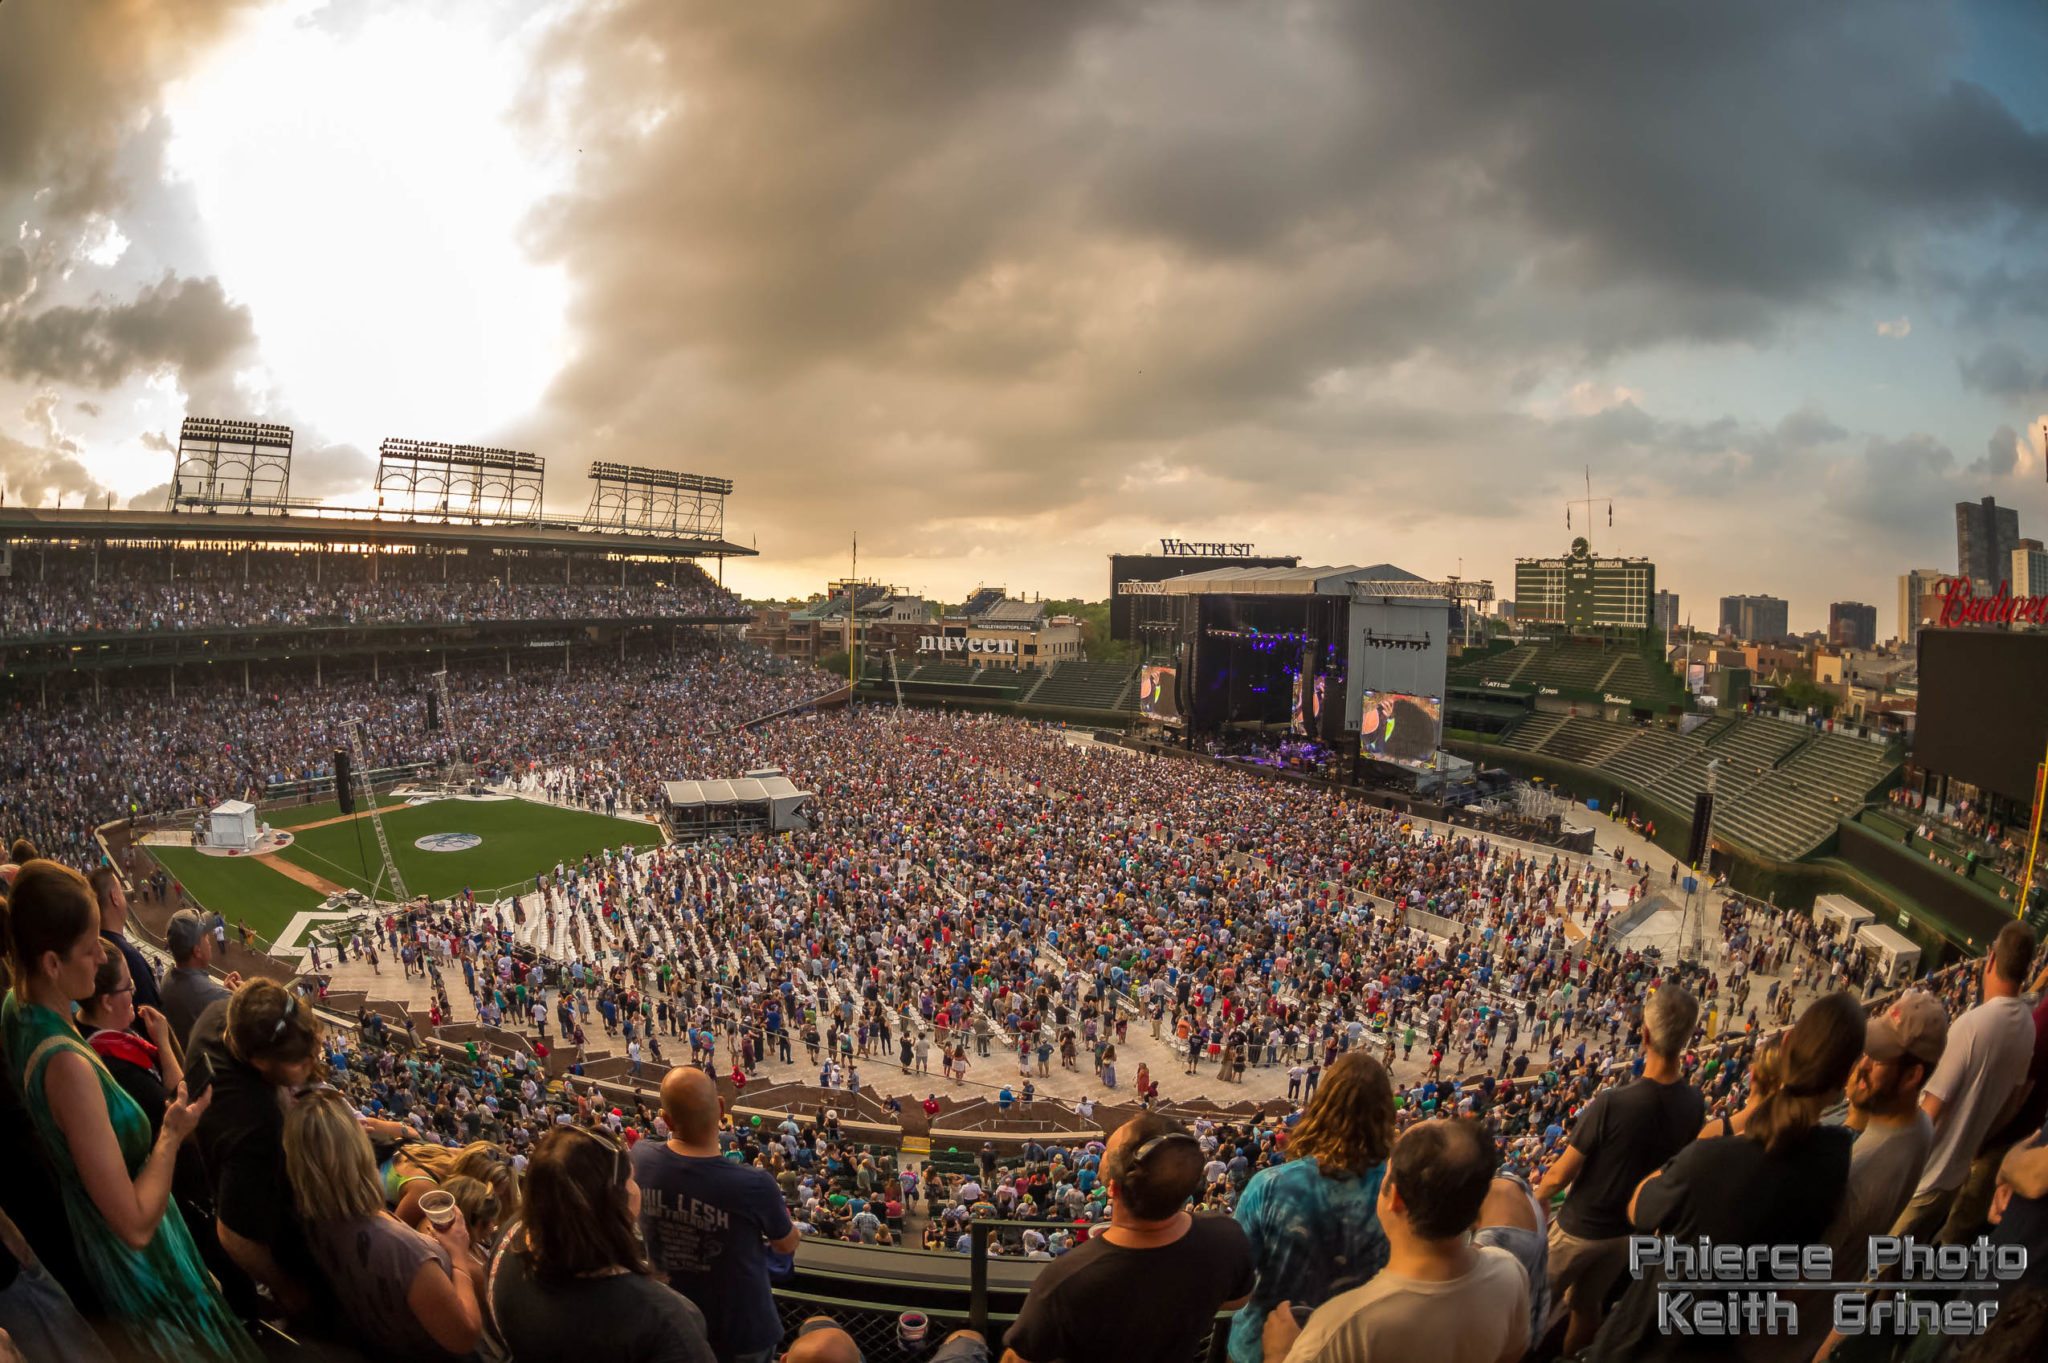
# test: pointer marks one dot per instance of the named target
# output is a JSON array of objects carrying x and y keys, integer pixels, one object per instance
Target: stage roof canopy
[{"x": 1282, "y": 581}]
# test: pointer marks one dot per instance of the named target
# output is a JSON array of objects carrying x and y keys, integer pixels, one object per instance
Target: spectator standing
[
  {"x": 572, "y": 1271},
  {"x": 1979, "y": 1083},
  {"x": 710, "y": 1224},
  {"x": 188, "y": 990},
  {"x": 255, "y": 1048},
  {"x": 1440, "y": 1297},
  {"x": 113, "y": 900},
  {"x": 116, "y": 1180},
  {"x": 404, "y": 1293},
  {"x": 1781, "y": 1181},
  {"x": 1313, "y": 1222},
  {"x": 1622, "y": 1135},
  {"x": 1145, "y": 1288},
  {"x": 1901, "y": 1047}
]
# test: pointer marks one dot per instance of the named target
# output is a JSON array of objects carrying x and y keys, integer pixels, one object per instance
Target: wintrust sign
[
  {"x": 1960, "y": 605},
  {"x": 1171, "y": 548}
]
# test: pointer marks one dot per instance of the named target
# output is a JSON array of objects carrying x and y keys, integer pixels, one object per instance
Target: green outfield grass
[
  {"x": 238, "y": 889},
  {"x": 520, "y": 838}
]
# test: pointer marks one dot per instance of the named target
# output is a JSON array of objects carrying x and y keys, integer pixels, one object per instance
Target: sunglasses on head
[
  {"x": 622, "y": 1163},
  {"x": 284, "y": 1019}
]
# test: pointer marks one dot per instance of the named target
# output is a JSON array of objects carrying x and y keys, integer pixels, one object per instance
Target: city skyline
[{"x": 1006, "y": 291}]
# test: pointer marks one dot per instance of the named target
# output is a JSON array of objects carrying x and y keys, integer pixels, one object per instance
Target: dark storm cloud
[
  {"x": 1013, "y": 253},
  {"x": 188, "y": 324},
  {"x": 2001, "y": 454},
  {"x": 78, "y": 78},
  {"x": 2002, "y": 370}
]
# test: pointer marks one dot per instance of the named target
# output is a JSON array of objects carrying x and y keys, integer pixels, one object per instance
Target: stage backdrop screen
[
  {"x": 1398, "y": 644},
  {"x": 1402, "y": 727},
  {"x": 1982, "y": 717},
  {"x": 1156, "y": 693}
]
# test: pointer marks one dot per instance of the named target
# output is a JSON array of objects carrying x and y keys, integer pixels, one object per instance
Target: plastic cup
[{"x": 438, "y": 1207}]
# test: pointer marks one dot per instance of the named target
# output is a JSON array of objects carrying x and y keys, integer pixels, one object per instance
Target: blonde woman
[
  {"x": 417, "y": 1169},
  {"x": 409, "y": 1294}
]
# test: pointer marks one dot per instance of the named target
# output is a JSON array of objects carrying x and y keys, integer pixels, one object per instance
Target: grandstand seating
[
  {"x": 1780, "y": 788},
  {"x": 1588, "y": 742},
  {"x": 1499, "y": 667},
  {"x": 1533, "y": 733},
  {"x": 1083, "y": 686},
  {"x": 1745, "y": 747},
  {"x": 1794, "y": 808},
  {"x": 1581, "y": 669},
  {"x": 1648, "y": 756}
]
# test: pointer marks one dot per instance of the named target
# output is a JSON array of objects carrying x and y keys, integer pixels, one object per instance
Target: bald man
[{"x": 710, "y": 1220}]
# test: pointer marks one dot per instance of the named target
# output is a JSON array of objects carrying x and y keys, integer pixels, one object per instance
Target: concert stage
[{"x": 1345, "y": 661}]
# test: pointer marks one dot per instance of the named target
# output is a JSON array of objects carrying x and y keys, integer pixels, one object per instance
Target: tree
[
  {"x": 1800, "y": 692},
  {"x": 1096, "y": 645}
]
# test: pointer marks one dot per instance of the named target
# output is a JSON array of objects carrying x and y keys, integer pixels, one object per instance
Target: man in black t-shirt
[
  {"x": 1148, "y": 1286},
  {"x": 1623, "y": 1135}
]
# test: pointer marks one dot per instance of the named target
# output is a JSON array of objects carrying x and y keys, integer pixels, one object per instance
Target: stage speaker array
[
  {"x": 433, "y": 713},
  {"x": 344, "y": 785},
  {"x": 1702, "y": 819}
]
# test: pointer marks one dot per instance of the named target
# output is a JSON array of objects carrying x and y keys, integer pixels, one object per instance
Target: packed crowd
[
  {"x": 156, "y": 591},
  {"x": 409, "y": 1203},
  {"x": 67, "y": 768},
  {"x": 971, "y": 886}
]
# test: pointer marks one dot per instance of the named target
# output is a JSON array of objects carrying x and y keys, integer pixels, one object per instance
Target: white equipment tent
[
  {"x": 1840, "y": 916},
  {"x": 1897, "y": 956},
  {"x": 770, "y": 804},
  {"x": 232, "y": 824}
]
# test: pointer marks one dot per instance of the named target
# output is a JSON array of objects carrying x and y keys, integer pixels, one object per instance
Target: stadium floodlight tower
[
  {"x": 647, "y": 501},
  {"x": 459, "y": 482},
  {"x": 224, "y": 465}
]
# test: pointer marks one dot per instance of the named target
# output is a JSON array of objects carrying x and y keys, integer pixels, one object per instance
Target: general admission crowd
[{"x": 974, "y": 883}]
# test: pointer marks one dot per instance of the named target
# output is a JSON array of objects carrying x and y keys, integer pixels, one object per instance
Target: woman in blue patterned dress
[
  {"x": 116, "y": 1180},
  {"x": 1314, "y": 1221}
]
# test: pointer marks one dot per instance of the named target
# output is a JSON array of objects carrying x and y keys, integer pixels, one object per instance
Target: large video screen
[
  {"x": 1982, "y": 715},
  {"x": 1156, "y": 693},
  {"x": 1405, "y": 728},
  {"x": 1308, "y": 701}
]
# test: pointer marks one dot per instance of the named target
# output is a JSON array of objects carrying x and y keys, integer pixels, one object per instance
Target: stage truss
[
  {"x": 646, "y": 501},
  {"x": 477, "y": 482},
  {"x": 224, "y": 465}
]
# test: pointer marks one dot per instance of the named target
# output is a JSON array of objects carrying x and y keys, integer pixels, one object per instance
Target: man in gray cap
[
  {"x": 188, "y": 989},
  {"x": 1901, "y": 1048}
]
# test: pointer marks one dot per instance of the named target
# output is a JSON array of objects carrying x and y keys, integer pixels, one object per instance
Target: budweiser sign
[{"x": 1960, "y": 605}]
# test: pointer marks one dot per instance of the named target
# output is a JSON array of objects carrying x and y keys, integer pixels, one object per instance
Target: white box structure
[{"x": 233, "y": 826}]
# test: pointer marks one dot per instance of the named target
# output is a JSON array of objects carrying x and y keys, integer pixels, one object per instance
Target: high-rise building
[
  {"x": 1757, "y": 619},
  {"x": 1580, "y": 591},
  {"x": 2029, "y": 569},
  {"x": 1851, "y": 624},
  {"x": 1986, "y": 535},
  {"x": 1664, "y": 610},
  {"x": 1915, "y": 586}
]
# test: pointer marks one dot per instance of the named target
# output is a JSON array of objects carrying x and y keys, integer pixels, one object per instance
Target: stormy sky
[{"x": 1007, "y": 288}]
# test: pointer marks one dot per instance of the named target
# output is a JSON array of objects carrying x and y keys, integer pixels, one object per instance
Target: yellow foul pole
[{"x": 2034, "y": 838}]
